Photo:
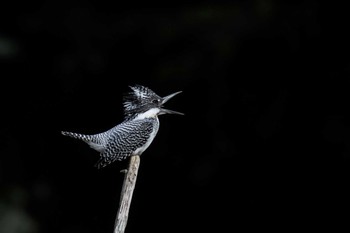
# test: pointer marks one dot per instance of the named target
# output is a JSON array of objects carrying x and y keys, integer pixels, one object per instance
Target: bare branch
[{"x": 126, "y": 194}]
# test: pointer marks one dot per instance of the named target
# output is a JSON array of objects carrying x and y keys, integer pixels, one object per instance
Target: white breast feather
[{"x": 152, "y": 113}]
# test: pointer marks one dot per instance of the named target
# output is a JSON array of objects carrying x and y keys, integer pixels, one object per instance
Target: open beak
[{"x": 164, "y": 100}]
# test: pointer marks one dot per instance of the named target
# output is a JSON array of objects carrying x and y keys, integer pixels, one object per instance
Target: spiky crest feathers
[{"x": 136, "y": 99}]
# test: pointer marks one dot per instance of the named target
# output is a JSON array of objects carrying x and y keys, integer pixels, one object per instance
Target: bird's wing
[{"x": 125, "y": 140}]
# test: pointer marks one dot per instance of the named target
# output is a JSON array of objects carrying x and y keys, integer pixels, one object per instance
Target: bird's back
[
  {"x": 118, "y": 143},
  {"x": 128, "y": 138}
]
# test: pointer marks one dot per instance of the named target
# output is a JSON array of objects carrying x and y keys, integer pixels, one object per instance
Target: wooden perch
[{"x": 126, "y": 194}]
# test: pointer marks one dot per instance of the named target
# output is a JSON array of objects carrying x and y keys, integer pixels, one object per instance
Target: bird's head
[{"x": 143, "y": 102}]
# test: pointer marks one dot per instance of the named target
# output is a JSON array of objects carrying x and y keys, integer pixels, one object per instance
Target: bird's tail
[
  {"x": 82, "y": 137},
  {"x": 93, "y": 142}
]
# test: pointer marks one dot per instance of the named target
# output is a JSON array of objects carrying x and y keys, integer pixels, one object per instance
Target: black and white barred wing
[{"x": 124, "y": 140}]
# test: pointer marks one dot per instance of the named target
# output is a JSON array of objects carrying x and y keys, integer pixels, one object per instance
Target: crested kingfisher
[{"x": 134, "y": 135}]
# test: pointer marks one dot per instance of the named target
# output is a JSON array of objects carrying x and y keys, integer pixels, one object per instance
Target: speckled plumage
[{"x": 134, "y": 135}]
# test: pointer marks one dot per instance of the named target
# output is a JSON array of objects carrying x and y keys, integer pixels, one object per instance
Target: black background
[{"x": 264, "y": 143}]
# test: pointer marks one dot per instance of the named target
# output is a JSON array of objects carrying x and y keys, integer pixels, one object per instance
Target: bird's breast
[
  {"x": 151, "y": 113},
  {"x": 153, "y": 134}
]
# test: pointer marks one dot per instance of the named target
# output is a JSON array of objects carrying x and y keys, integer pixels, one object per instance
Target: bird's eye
[{"x": 155, "y": 101}]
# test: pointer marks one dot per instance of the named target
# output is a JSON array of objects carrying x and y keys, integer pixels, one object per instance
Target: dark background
[{"x": 264, "y": 143}]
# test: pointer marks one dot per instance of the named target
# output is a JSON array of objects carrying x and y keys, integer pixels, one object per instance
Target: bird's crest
[{"x": 135, "y": 100}]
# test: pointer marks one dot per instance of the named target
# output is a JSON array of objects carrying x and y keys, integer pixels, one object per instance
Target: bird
[{"x": 133, "y": 136}]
